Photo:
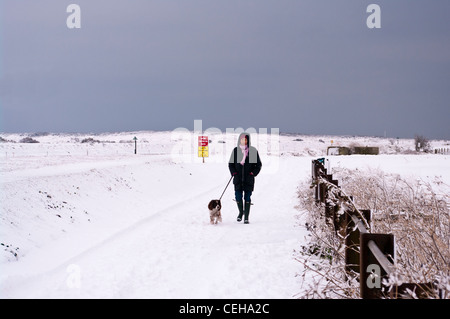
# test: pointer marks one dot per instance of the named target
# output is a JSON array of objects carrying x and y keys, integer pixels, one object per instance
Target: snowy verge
[{"x": 140, "y": 228}]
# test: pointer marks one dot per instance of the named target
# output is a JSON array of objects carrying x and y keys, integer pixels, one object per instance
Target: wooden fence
[{"x": 370, "y": 255}]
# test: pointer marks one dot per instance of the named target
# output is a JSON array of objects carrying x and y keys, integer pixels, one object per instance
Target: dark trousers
[{"x": 247, "y": 194}]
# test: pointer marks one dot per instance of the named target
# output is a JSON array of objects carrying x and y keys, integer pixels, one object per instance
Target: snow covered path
[{"x": 166, "y": 248}]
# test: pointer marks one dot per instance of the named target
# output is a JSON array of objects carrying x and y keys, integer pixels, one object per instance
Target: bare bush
[{"x": 422, "y": 143}]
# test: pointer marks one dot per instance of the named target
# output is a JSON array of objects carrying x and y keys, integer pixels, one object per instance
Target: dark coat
[{"x": 244, "y": 175}]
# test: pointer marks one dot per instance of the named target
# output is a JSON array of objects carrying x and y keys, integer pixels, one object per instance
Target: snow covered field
[{"x": 94, "y": 220}]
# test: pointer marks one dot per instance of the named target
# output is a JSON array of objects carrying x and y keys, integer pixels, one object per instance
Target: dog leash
[{"x": 226, "y": 188}]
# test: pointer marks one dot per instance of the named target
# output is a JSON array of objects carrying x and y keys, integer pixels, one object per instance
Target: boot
[
  {"x": 240, "y": 206},
  {"x": 246, "y": 212}
]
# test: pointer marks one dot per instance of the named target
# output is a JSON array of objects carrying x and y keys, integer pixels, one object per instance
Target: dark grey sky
[{"x": 310, "y": 67}]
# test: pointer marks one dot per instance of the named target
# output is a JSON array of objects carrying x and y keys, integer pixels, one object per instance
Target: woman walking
[{"x": 244, "y": 165}]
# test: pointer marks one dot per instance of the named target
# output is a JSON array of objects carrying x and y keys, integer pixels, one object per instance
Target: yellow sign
[{"x": 203, "y": 151}]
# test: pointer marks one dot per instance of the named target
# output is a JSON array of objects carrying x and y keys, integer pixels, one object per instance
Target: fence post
[
  {"x": 330, "y": 210},
  {"x": 322, "y": 192},
  {"x": 313, "y": 171},
  {"x": 352, "y": 241},
  {"x": 370, "y": 284},
  {"x": 319, "y": 192}
]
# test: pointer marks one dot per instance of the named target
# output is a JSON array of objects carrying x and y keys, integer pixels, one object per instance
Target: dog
[{"x": 215, "y": 215}]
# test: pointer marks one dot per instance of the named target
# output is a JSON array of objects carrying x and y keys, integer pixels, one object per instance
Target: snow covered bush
[
  {"x": 415, "y": 211},
  {"x": 323, "y": 257}
]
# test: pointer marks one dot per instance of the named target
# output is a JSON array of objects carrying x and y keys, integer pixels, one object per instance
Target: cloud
[{"x": 310, "y": 66}]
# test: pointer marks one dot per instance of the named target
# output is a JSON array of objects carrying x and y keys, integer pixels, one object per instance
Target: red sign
[{"x": 203, "y": 141}]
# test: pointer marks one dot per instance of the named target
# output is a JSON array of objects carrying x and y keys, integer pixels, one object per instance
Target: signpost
[{"x": 203, "y": 147}]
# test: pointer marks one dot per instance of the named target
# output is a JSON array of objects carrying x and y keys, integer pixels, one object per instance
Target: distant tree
[
  {"x": 28, "y": 140},
  {"x": 422, "y": 143},
  {"x": 90, "y": 140}
]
